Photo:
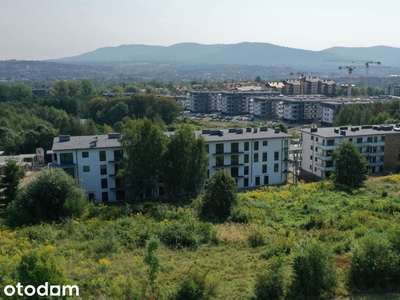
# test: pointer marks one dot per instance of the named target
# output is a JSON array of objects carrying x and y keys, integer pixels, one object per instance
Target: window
[
  {"x": 246, "y": 146},
  {"x": 359, "y": 140},
  {"x": 234, "y": 159},
  {"x": 312, "y": 137},
  {"x": 219, "y": 160},
  {"x": 264, "y": 168},
  {"x": 276, "y": 155},
  {"x": 255, "y": 146},
  {"x": 102, "y": 155},
  {"x": 350, "y": 140},
  {"x": 265, "y": 156},
  {"x": 246, "y": 170},
  {"x": 266, "y": 179},
  {"x": 118, "y": 155},
  {"x": 255, "y": 157},
  {"x": 234, "y": 147},
  {"x": 207, "y": 148},
  {"x": 311, "y": 147},
  {"x": 66, "y": 158},
  {"x": 70, "y": 171},
  {"x": 85, "y": 154},
  {"x": 104, "y": 196},
  {"x": 246, "y": 182},
  {"x": 208, "y": 173},
  {"x": 265, "y": 143},
  {"x": 257, "y": 180},
  {"x": 316, "y": 159},
  {"x": 219, "y": 148},
  {"x": 316, "y": 149},
  {"x": 316, "y": 139},
  {"x": 86, "y": 168},
  {"x": 91, "y": 197},
  {"x": 235, "y": 172},
  {"x": 104, "y": 183},
  {"x": 311, "y": 157},
  {"x": 315, "y": 169},
  {"x": 276, "y": 168},
  {"x": 103, "y": 169},
  {"x": 246, "y": 158}
]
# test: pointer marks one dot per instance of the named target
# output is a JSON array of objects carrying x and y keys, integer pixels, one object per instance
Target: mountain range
[{"x": 263, "y": 54}]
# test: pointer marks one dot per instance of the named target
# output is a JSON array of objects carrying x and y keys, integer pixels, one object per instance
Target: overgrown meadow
[{"x": 273, "y": 228}]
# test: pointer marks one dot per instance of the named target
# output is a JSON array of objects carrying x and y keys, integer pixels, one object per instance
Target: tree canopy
[
  {"x": 220, "y": 196},
  {"x": 13, "y": 174},
  {"x": 351, "y": 168}
]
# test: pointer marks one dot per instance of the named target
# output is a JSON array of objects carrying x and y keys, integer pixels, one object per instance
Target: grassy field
[{"x": 103, "y": 251}]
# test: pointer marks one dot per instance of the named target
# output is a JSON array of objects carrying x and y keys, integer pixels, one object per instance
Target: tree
[
  {"x": 258, "y": 79},
  {"x": 219, "y": 197},
  {"x": 9, "y": 181},
  {"x": 185, "y": 163},
  {"x": 351, "y": 168},
  {"x": 52, "y": 195},
  {"x": 144, "y": 144}
]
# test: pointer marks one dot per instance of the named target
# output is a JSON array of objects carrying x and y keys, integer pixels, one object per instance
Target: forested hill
[{"x": 242, "y": 53}]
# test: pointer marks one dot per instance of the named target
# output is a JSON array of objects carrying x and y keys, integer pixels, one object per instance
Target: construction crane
[
  {"x": 366, "y": 65},
  {"x": 350, "y": 69}
]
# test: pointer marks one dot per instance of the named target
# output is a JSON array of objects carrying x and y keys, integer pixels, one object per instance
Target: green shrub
[
  {"x": 256, "y": 238},
  {"x": 315, "y": 221},
  {"x": 178, "y": 235},
  {"x": 38, "y": 267},
  {"x": 373, "y": 265},
  {"x": 270, "y": 284},
  {"x": 194, "y": 287},
  {"x": 314, "y": 275}
]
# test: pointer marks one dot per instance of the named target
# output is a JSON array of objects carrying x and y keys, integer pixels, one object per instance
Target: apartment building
[
  {"x": 205, "y": 101},
  {"x": 302, "y": 109},
  {"x": 379, "y": 144},
  {"x": 268, "y": 107},
  {"x": 254, "y": 157},
  {"x": 330, "y": 109},
  {"x": 93, "y": 160}
]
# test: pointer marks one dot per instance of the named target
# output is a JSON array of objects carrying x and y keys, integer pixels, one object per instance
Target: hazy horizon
[{"x": 50, "y": 29}]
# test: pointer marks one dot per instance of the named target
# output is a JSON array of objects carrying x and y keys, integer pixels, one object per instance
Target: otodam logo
[{"x": 41, "y": 290}]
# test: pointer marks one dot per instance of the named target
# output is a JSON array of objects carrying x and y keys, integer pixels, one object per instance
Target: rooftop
[
  {"x": 332, "y": 132},
  {"x": 66, "y": 142},
  {"x": 237, "y": 134}
]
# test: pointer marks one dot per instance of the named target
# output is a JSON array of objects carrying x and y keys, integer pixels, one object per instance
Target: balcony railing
[
  {"x": 228, "y": 153},
  {"x": 322, "y": 157},
  {"x": 327, "y": 147},
  {"x": 324, "y": 168},
  {"x": 375, "y": 164}
]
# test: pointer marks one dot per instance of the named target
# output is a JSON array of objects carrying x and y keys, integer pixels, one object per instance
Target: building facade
[
  {"x": 380, "y": 145},
  {"x": 254, "y": 157},
  {"x": 93, "y": 160}
]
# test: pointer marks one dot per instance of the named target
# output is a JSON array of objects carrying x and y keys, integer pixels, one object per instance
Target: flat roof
[
  {"x": 327, "y": 132},
  {"x": 85, "y": 142},
  {"x": 235, "y": 136}
]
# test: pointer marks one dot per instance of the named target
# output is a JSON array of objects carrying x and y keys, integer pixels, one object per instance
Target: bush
[
  {"x": 37, "y": 267},
  {"x": 51, "y": 196},
  {"x": 220, "y": 196},
  {"x": 271, "y": 283},
  {"x": 373, "y": 265},
  {"x": 313, "y": 271},
  {"x": 256, "y": 238},
  {"x": 194, "y": 287}
]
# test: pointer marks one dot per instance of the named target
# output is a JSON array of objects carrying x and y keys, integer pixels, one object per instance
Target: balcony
[
  {"x": 322, "y": 157},
  {"x": 375, "y": 164},
  {"x": 327, "y": 147},
  {"x": 373, "y": 154},
  {"x": 231, "y": 165},
  {"x": 227, "y": 153},
  {"x": 324, "y": 168}
]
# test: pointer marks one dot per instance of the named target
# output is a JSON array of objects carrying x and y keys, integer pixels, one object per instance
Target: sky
[{"x": 49, "y": 29}]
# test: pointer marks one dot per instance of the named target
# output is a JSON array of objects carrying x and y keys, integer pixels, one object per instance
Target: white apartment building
[
  {"x": 93, "y": 160},
  {"x": 380, "y": 145},
  {"x": 254, "y": 157},
  {"x": 330, "y": 109}
]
